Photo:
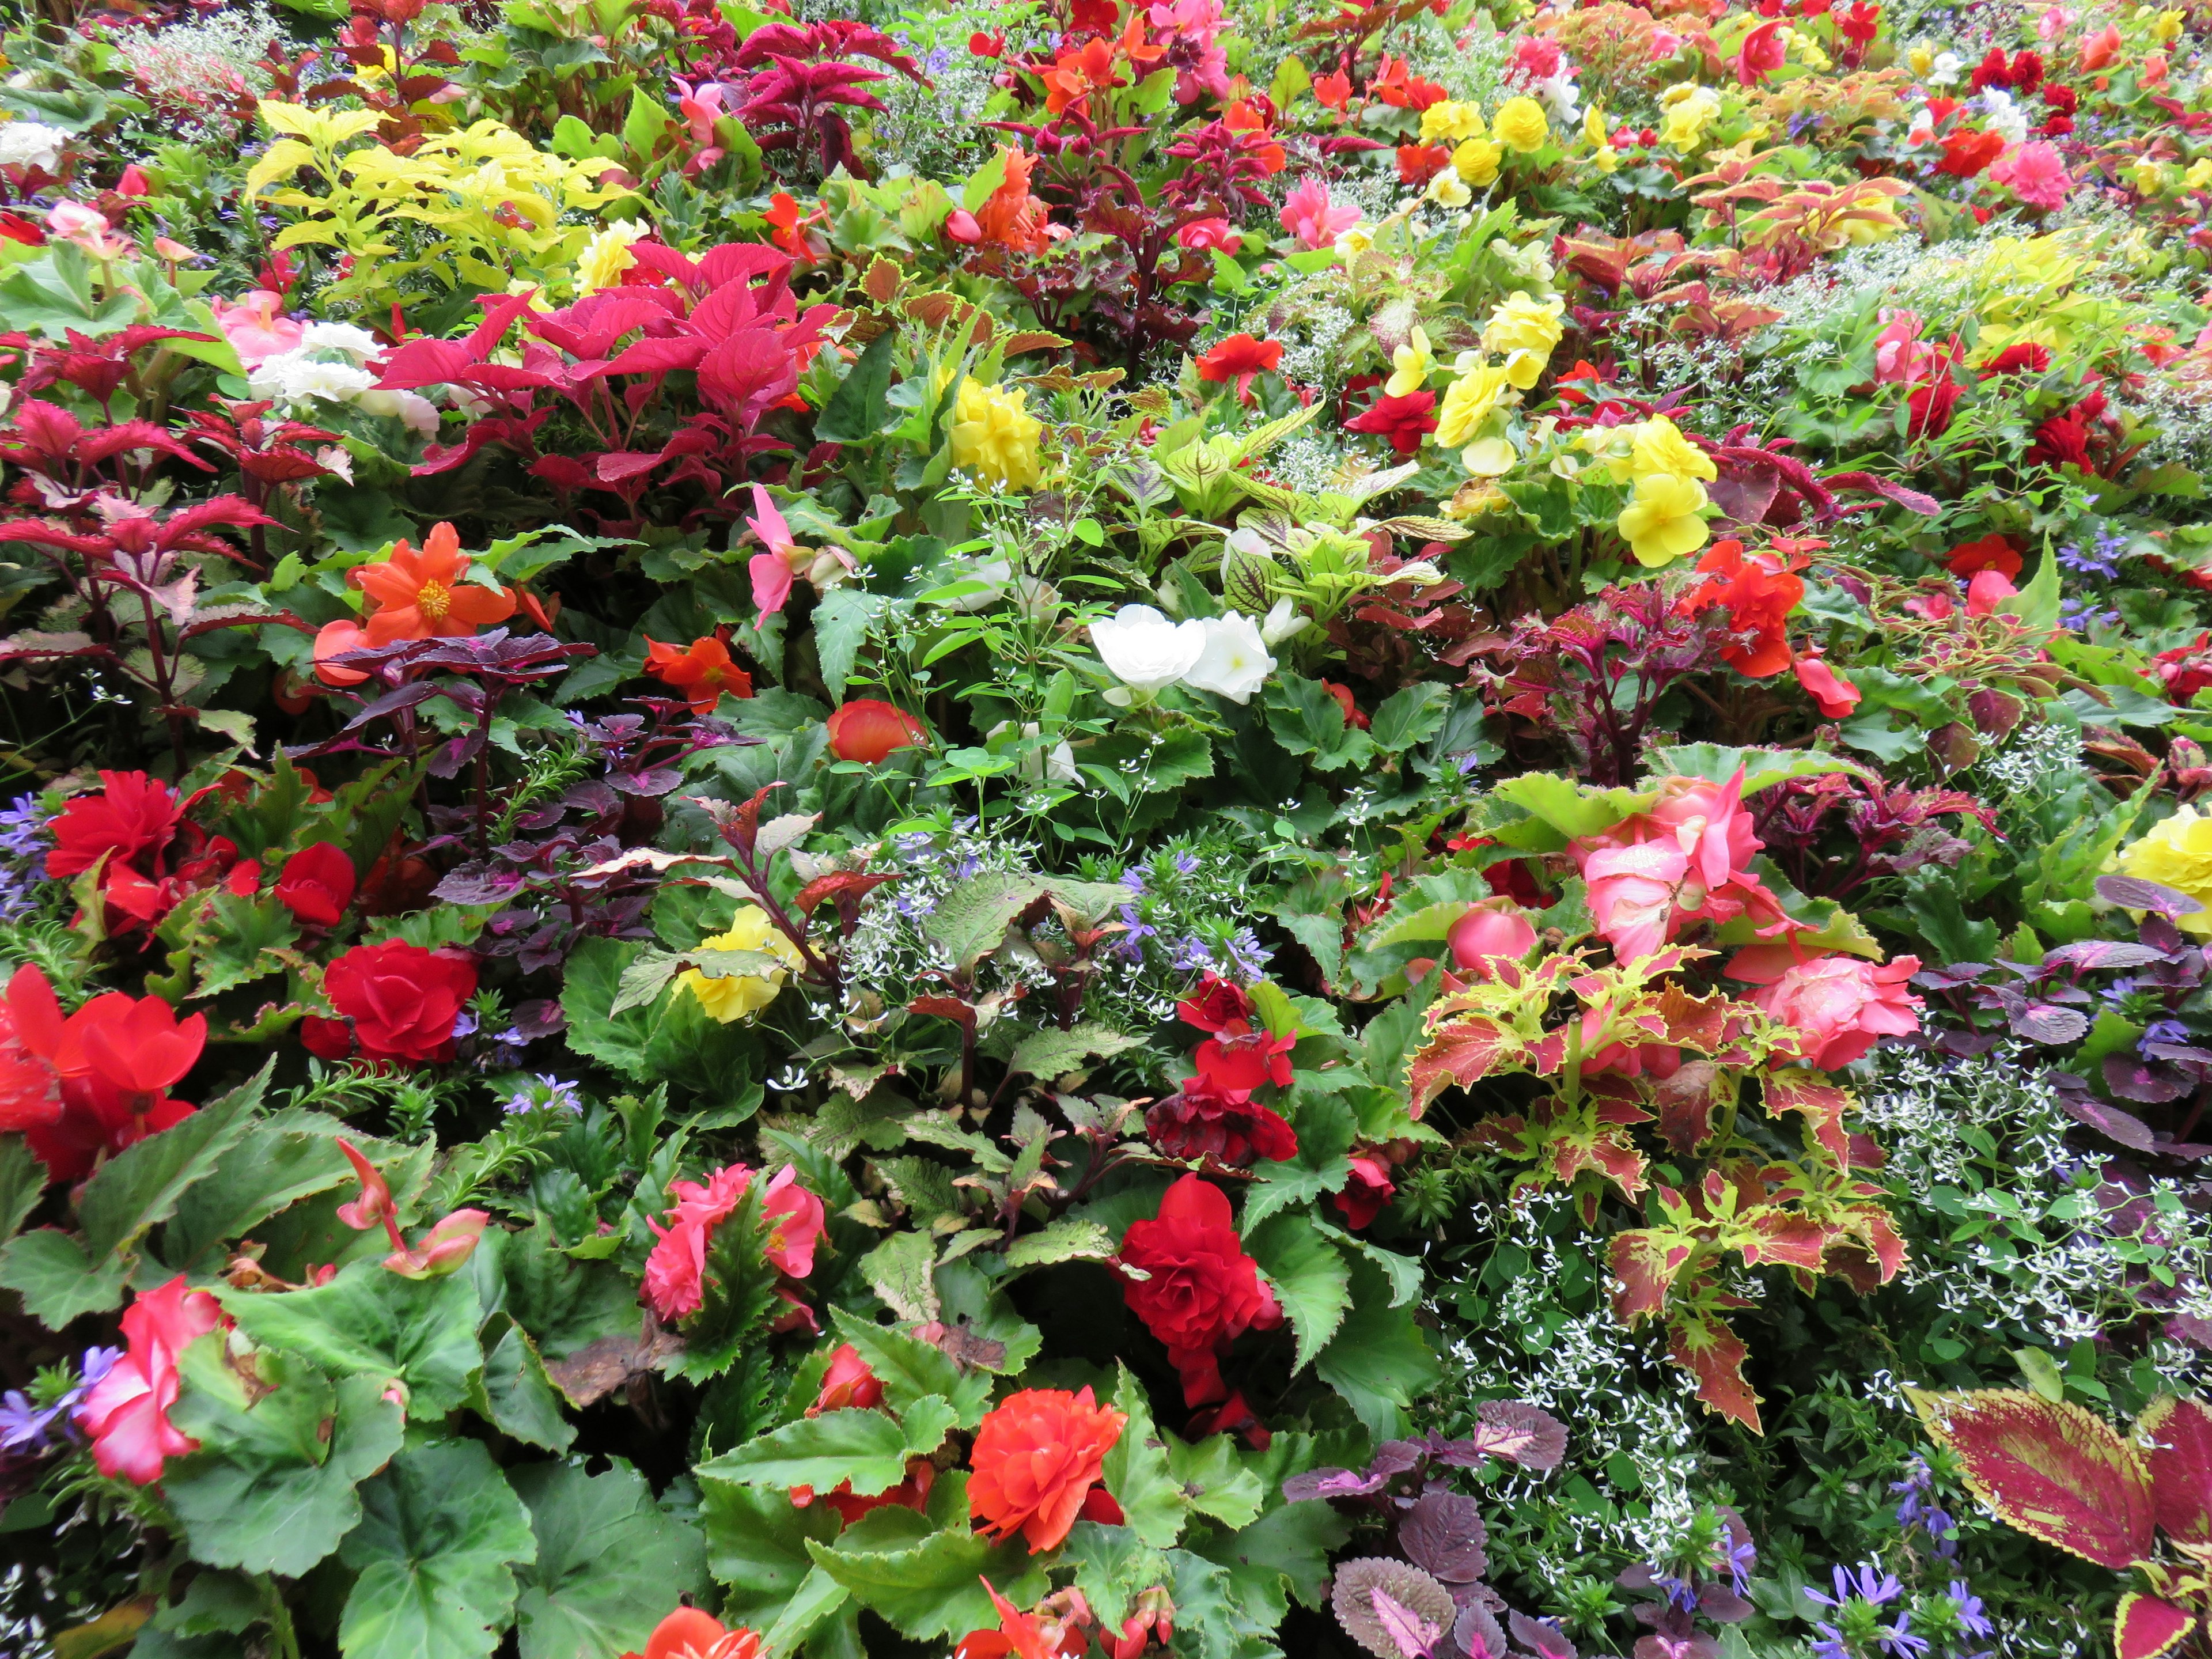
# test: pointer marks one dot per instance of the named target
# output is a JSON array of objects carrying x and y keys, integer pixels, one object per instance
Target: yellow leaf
[{"x": 282, "y": 159}]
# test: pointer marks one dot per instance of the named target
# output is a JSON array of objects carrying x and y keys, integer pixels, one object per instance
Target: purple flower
[
  {"x": 1869, "y": 1583},
  {"x": 23, "y": 1426},
  {"x": 544, "y": 1092},
  {"x": 1191, "y": 955},
  {"x": 1968, "y": 1610},
  {"x": 1247, "y": 954},
  {"x": 1186, "y": 864},
  {"x": 1899, "y": 1641}
]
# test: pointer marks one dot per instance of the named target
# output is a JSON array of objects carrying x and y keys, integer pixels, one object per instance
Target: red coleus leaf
[
  {"x": 1646, "y": 1261},
  {"x": 837, "y": 884},
  {"x": 1460, "y": 1052},
  {"x": 1822, "y": 1102},
  {"x": 2049, "y": 1470},
  {"x": 2180, "y": 1436},
  {"x": 1714, "y": 1354},
  {"x": 2146, "y": 1626}
]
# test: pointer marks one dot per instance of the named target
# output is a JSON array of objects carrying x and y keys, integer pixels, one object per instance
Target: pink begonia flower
[
  {"x": 1901, "y": 358},
  {"x": 73, "y": 221},
  {"x": 1308, "y": 217},
  {"x": 1193, "y": 26},
  {"x": 674, "y": 1272},
  {"x": 1838, "y": 1005},
  {"x": 257, "y": 327},
  {"x": 1203, "y": 233},
  {"x": 2054, "y": 22},
  {"x": 443, "y": 1248},
  {"x": 1988, "y": 589},
  {"x": 1835, "y": 695},
  {"x": 1688, "y": 858},
  {"x": 2034, "y": 173},
  {"x": 772, "y": 568},
  {"x": 1494, "y": 931},
  {"x": 701, "y": 109},
  {"x": 127, "y": 1411}
]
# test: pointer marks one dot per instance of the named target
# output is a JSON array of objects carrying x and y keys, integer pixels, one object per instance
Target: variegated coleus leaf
[
  {"x": 2179, "y": 1437},
  {"x": 1714, "y": 1354},
  {"x": 2048, "y": 1468},
  {"x": 2146, "y": 1626}
]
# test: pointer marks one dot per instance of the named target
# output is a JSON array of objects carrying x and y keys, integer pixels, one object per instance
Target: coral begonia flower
[
  {"x": 425, "y": 595},
  {"x": 1019, "y": 1636},
  {"x": 867, "y": 729},
  {"x": 701, "y": 671},
  {"x": 1240, "y": 358},
  {"x": 1835, "y": 695},
  {"x": 317, "y": 883},
  {"x": 132, "y": 815},
  {"x": 334, "y": 639},
  {"x": 141, "y": 1049},
  {"x": 688, "y": 1633},
  {"x": 1035, "y": 1460}
]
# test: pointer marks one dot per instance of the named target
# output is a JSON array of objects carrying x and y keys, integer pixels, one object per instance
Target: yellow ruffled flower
[
  {"x": 740, "y": 996},
  {"x": 1485, "y": 457},
  {"x": 1520, "y": 125},
  {"x": 1658, "y": 446},
  {"x": 1524, "y": 330},
  {"x": 607, "y": 255},
  {"x": 2177, "y": 854},
  {"x": 1447, "y": 122},
  {"x": 2199, "y": 176},
  {"x": 1466, "y": 405},
  {"x": 1476, "y": 161},
  {"x": 1921, "y": 58},
  {"x": 1662, "y": 523},
  {"x": 1689, "y": 110},
  {"x": 1409, "y": 367},
  {"x": 1449, "y": 190},
  {"x": 2147, "y": 176},
  {"x": 2167, "y": 28},
  {"x": 994, "y": 436}
]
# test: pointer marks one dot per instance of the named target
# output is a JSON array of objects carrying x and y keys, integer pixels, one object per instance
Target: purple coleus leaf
[
  {"x": 1443, "y": 1534},
  {"x": 2134, "y": 893},
  {"x": 1510, "y": 1428},
  {"x": 2043, "y": 1021},
  {"x": 2086, "y": 954},
  {"x": 1412, "y": 1635}
]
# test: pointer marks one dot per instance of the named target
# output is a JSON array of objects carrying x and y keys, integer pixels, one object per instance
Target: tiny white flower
[
  {"x": 1235, "y": 662},
  {"x": 1144, "y": 650}
]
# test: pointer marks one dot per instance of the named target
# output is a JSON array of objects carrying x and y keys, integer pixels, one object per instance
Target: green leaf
[
  {"x": 1310, "y": 1279},
  {"x": 272, "y": 1489},
  {"x": 1564, "y": 809},
  {"x": 1112, "y": 1567},
  {"x": 1063, "y": 1241},
  {"x": 912, "y": 1370},
  {"x": 757, "y": 1542},
  {"x": 439, "y": 1531},
  {"x": 369, "y": 1322},
  {"x": 1215, "y": 1480},
  {"x": 1307, "y": 720},
  {"x": 1379, "y": 1360},
  {"x": 970, "y": 921},
  {"x": 513, "y": 1393},
  {"x": 58, "y": 1282},
  {"x": 932, "y": 1589},
  {"x": 1153, "y": 1504},
  {"x": 278, "y": 1162},
  {"x": 1292, "y": 1543},
  {"x": 22, "y": 1183},
  {"x": 842, "y": 621},
  {"x": 591, "y": 981},
  {"x": 1762, "y": 769},
  {"x": 1052, "y": 1052},
  {"x": 1213, "y": 1618},
  {"x": 858, "y": 410},
  {"x": 1410, "y": 717},
  {"x": 611, "y": 1564},
  {"x": 868, "y": 1448},
  {"x": 240, "y": 941},
  {"x": 142, "y": 1184},
  {"x": 899, "y": 1270}
]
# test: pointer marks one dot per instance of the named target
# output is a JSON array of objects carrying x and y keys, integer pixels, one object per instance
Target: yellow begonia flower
[
  {"x": 1476, "y": 161},
  {"x": 2166, "y": 26},
  {"x": 1466, "y": 405},
  {"x": 1662, "y": 523},
  {"x": 1520, "y": 125},
  {"x": 1525, "y": 331},
  {"x": 2177, "y": 854},
  {"x": 1449, "y": 190},
  {"x": 607, "y": 255},
  {"x": 2147, "y": 176},
  {"x": 1921, "y": 58},
  {"x": 1355, "y": 241},
  {"x": 1485, "y": 457},
  {"x": 2199, "y": 176},
  {"x": 994, "y": 436},
  {"x": 1605, "y": 161},
  {"x": 1409, "y": 367},
  {"x": 1659, "y": 447},
  {"x": 1449, "y": 122},
  {"x": 1689, "y": 110},
  {"x": 740, "y": 996},
  {"x": 1593, "y": 132}
]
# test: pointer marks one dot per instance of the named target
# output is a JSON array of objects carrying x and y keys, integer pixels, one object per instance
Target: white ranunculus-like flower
[
  {"x": 31, "y": 144},
  {"x": 418, "y": 414},
  {"x": 1235, "y": 662},
  {"x": 1283, "y": 621},
  {"x": 1144, "y": 650},
  {"x": 292, "y": 377},
  {"x": 355, "y": 342}
]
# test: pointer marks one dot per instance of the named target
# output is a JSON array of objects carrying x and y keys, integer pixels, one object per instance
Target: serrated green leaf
[
  {"x": 1310, "y": 1277},
  {"x": 970, "y": 921},
  {"x": 441, "y": 1531},
  {"x": 1063, "y": 1241},
  {"x": 900, "y": 1269},
  {"x": 865, "y": 1446},
  {"x": 932, "y": 1589},
  {"x": 142, "y": 1184},
  {"x": 1378, "y": 1359},
  {"x": 58, "y": 1282},
  {"x": 22, "y": 1183},
  {"x": 515, "y": 1394},
  {"x": 609, "y": 1565},
  {"x": 912, "y": 1370},
  {"x": 369, "y": 1322},
  {"x": 1153, "y": 1505},
  {"x": 1049, "y": 1053},
  {"x": 757, "y": 1542}
]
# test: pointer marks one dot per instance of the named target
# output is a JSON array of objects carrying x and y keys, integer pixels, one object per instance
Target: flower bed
[{"x": 1228, "y": 830}]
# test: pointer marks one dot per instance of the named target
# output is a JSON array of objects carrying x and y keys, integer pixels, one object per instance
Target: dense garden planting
[{"x": 1223, "y": 828}]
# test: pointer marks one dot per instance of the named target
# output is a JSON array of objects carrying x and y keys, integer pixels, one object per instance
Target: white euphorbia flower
[
  {"x": 1235, "y": 662},
  {"x": 1144, "y": 650}
]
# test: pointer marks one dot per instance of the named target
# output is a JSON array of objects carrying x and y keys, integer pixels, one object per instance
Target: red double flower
[
  {"x": 1213, "y": 1114},
  {"x": 1201, "y": 1291},
  {"x": 82, "y": 1088}
]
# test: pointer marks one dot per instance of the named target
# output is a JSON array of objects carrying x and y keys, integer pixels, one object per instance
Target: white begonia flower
[
  {"x": 1056, "y": 765},
  {"x": 292, "y": 377},
  {"x": 1235, "y": 662},
  {"x": 1144, "y": 650},
  {"x": 1449, "y": 190},
  {"x": 32, "y": 144},
  {"x": 340, "y": 336},
  {"x": 418, "y": 414},
  {"x": 1561, "y": 98},
  {"x": 1283, "y": 621},
  {"x": 2003, "y": 115},
  {"x": 1945, "y": 69}
]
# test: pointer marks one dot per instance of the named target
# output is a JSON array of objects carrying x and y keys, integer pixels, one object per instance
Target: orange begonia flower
[
  {"x": 701, "y": 671},
  {"x": 423, "y": 596}
]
